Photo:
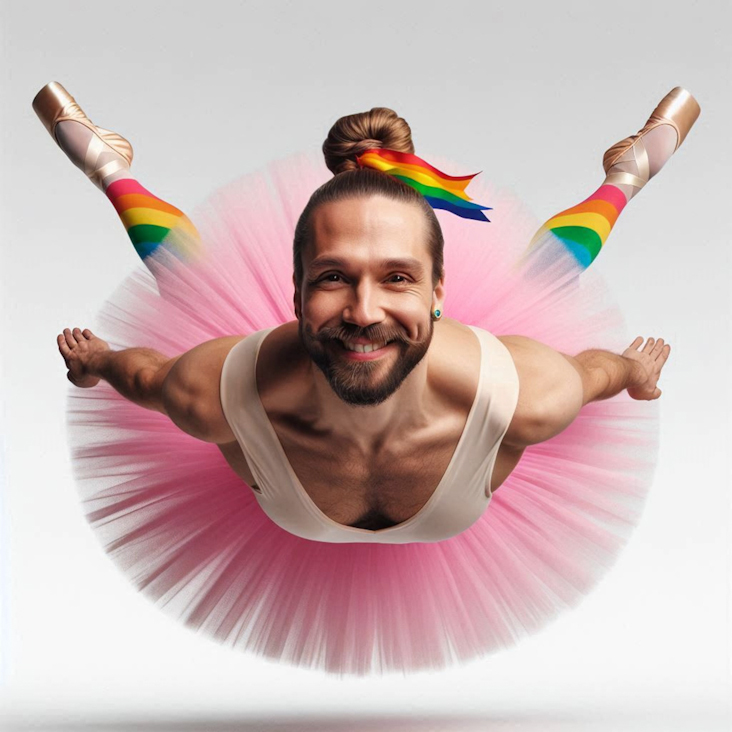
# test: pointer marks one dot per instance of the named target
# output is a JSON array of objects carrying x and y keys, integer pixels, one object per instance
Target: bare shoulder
[
  {"x": 550, "y": 391},
  {"x": 533, "y": 358},
  {"x": 454, "y": 362},
  {"x": 200, "y": 367},
  {"x": 191, "y": 390},
  {"x": 281, "y": 356}
]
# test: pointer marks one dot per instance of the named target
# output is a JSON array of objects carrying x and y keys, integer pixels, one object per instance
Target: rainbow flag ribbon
[{"x": 441, "y": 190}]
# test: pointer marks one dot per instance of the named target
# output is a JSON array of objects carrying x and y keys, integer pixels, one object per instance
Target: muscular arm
[
  {"x": 605, "y": 374},
  {"x": 191, "y": 391},
  {"x": 185, "y": 387},
  {"x": 554, "y": 387}
]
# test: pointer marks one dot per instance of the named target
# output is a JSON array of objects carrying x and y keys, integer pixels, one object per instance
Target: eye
[
  {"x": 331, "y": 278},
  {"x": 398, "y": 279}
]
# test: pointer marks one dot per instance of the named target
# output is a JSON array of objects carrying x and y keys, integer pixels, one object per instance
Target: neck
[{"x": 371, "y": 426}]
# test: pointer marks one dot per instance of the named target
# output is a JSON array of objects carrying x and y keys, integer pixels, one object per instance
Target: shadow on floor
[
  {"x": 550, "y": 721},
  {"x": 304, "y": 723}
]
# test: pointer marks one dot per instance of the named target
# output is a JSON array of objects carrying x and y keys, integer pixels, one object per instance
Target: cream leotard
[{"x": 460, "y": 498}]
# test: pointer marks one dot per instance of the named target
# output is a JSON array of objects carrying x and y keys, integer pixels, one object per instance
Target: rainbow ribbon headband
[{"x": 441, "y": 190}]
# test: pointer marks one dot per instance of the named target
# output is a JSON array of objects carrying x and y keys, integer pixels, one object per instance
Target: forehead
[{"x": 364, "y": 229}]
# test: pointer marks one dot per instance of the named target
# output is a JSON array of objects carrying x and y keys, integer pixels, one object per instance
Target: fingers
[
  {"x": 63, "y": 347},
  {"x": 649, "y": 346},
  {"x": 656, "y": 349},
  {"x": 657, "y": 346},
  {"x": 660, "y": 353},
  {"x": 70, "y": 337}
]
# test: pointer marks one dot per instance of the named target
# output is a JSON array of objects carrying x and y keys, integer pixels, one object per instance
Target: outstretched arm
[
  {"x": 638, "y": 369},
  {"x": 185, "y": 387},
  {"x": 554, "y": 386}
]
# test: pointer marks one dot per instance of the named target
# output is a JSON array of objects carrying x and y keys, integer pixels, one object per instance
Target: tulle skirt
[{"x": 189, "y": 534}]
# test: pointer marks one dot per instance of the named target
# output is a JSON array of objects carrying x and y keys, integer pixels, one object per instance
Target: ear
[
  {"x": 297, "y": 298},
  {"x": 438, "y": 294}
]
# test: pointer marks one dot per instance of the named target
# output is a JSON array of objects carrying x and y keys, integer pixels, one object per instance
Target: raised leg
[
  {"x": 105, "y": 157},
  {"x": 629, "y": 164}
]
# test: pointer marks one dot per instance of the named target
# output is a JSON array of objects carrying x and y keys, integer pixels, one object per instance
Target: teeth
[{"x": 360, "y": 348}]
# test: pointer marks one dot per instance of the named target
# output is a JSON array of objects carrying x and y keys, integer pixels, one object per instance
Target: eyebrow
[{"x": 409, "y": 263}]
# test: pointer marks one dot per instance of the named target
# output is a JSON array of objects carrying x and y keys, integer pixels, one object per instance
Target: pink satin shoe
[
  {"x": 53, "y": 104},
  {"x": 678, "y": 109}
]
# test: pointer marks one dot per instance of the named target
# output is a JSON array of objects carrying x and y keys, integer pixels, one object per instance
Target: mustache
[{"x": 375, "y": 333}]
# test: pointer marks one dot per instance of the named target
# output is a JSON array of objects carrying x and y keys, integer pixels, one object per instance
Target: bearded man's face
[{"x": 364, "y": 306}]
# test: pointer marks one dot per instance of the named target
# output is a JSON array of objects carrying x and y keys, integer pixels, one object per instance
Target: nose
[{"x": 363, "y": 308}]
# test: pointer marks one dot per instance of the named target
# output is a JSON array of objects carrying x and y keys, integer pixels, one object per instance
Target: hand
[
  {"x": 78, "y": 348},
  {"x": 651, "y": 358}
]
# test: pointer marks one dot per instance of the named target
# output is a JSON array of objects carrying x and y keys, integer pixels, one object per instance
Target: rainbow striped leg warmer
[
  {"x": 151, "y": 222},
  {"x": 584, "y": 228}
]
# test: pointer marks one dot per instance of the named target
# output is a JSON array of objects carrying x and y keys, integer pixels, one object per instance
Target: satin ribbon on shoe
[
  {"x": 441, "y": 190},
  {"x": 640, "y": 158}
]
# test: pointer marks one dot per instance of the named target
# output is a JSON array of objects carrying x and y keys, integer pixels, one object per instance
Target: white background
[{"x": 530, "y": 93}]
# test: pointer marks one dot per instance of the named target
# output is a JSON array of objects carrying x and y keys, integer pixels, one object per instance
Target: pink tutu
[{"x": 191, "y": 536}]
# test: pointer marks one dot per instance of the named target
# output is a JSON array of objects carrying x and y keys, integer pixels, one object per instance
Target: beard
[{"x": 363, "y": 383}]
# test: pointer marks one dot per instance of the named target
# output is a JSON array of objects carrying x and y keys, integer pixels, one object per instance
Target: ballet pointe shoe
[
  {"x": 677, "y": 109},
  {"x": 53, "y": 104}
]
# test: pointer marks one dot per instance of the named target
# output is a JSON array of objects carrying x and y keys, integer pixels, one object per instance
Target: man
[{"x": 367, "y": 392}]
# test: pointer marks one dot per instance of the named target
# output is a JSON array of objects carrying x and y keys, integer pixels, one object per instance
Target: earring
[{"x": 436, "y": 314}]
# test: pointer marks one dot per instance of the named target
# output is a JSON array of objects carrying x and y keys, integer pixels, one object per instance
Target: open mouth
[
  {"x": 364, "y": 351},
  {"x": 364, "y": 347}
]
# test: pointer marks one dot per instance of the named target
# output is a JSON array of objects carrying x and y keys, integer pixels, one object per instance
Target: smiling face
[{"x": 364, "y": 304}]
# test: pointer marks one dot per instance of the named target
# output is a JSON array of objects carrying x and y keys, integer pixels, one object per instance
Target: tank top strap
[
  {"x": 243, "y": 411},
  {"x": 496, "y": 400}
]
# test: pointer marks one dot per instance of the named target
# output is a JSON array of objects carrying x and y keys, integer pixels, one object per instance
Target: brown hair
[{"x": 350, "y": 136}]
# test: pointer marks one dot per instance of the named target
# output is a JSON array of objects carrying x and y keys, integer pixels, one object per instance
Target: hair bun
[{"x": 352, "y": 135}]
